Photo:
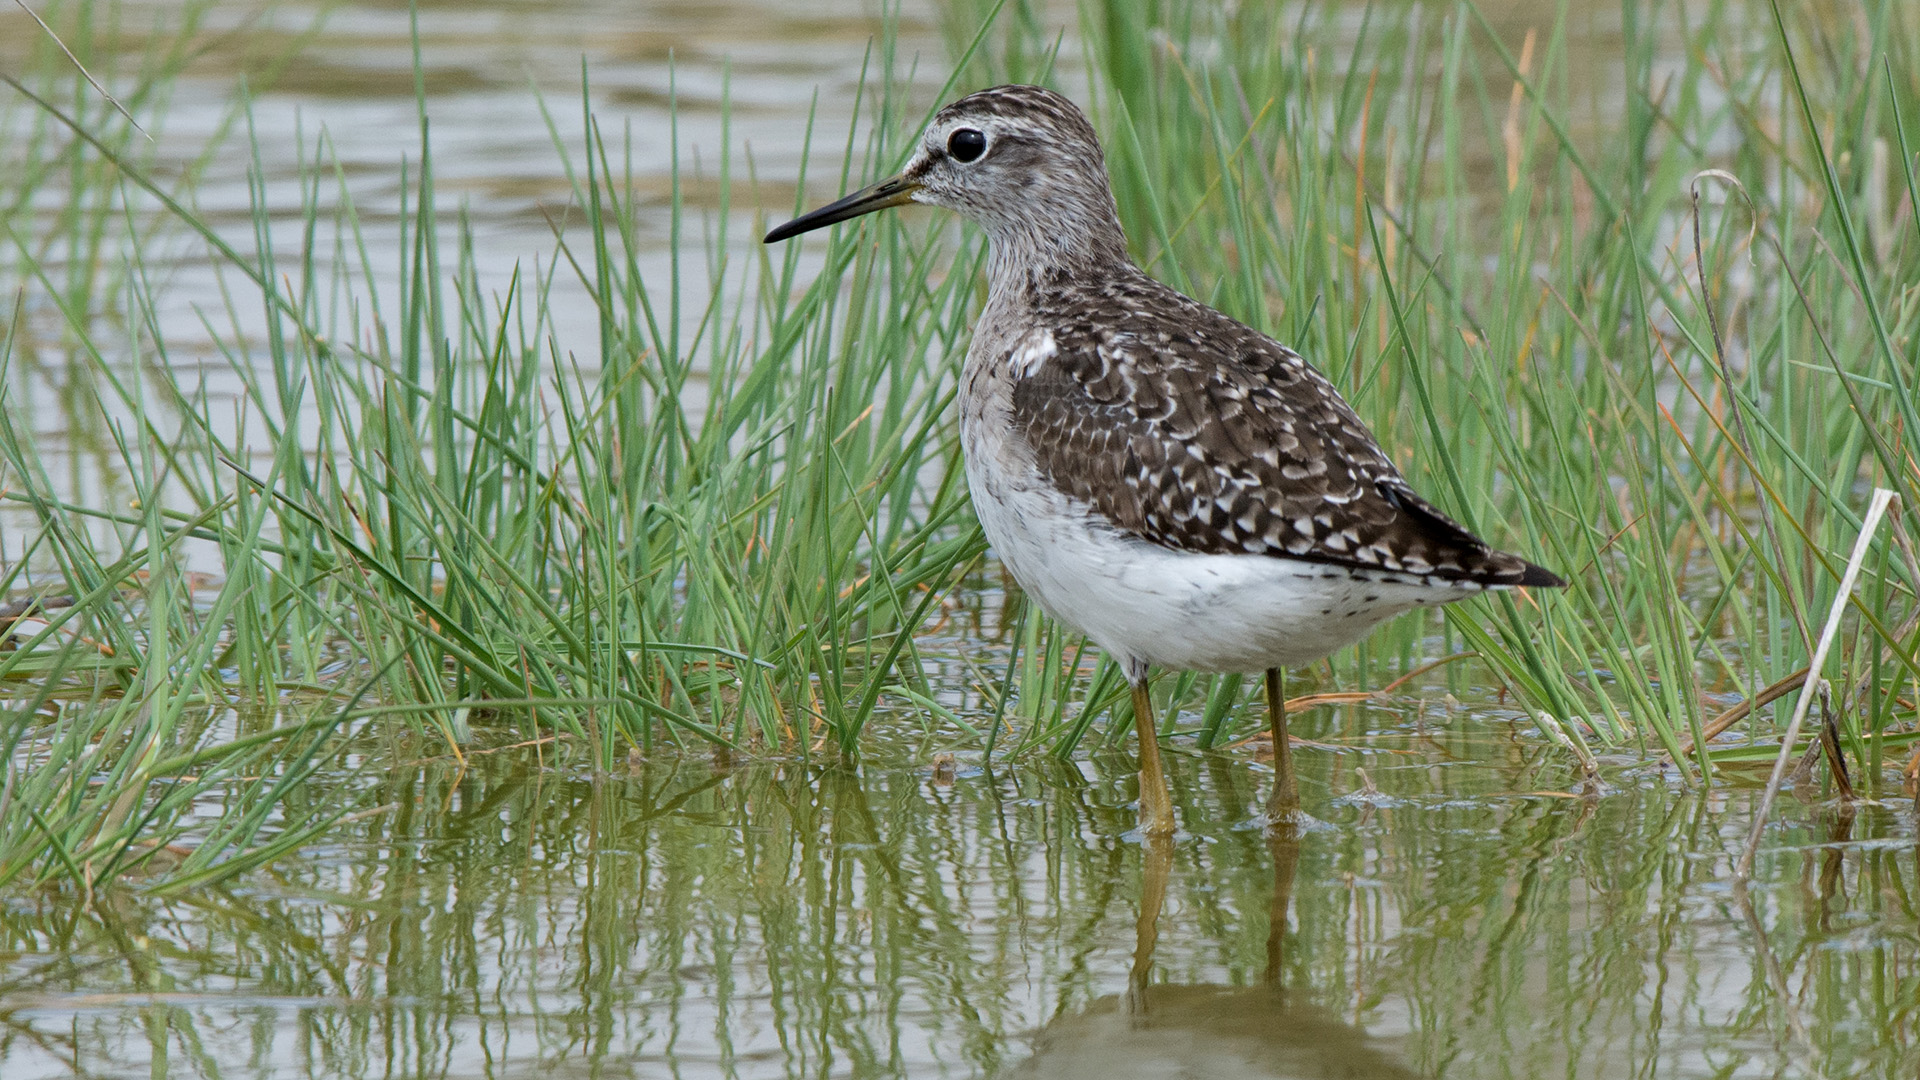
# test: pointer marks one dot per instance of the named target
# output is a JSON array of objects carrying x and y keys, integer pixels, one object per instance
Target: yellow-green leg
[
  {"x": 1284, "y": 803},
  {"x": 1156, "y": 806}
]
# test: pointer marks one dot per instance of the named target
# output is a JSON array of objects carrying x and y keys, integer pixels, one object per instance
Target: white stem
[{"x": 1875, "y": 511}]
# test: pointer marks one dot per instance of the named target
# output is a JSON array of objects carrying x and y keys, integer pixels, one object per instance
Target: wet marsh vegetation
[{"x": 493, "y": 617}]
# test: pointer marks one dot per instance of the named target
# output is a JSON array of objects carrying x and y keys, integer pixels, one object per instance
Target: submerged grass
[{"x": 729, "y": 518}]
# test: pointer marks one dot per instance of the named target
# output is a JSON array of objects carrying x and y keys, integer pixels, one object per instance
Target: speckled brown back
[{"x": 1200, "y": 434}]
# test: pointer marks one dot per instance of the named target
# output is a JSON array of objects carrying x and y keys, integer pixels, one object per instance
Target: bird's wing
[{"x": 1219, "y": 440}]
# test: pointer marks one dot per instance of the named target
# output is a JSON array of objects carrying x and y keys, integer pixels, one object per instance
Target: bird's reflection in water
[{"x": 1219, "y": 1032}]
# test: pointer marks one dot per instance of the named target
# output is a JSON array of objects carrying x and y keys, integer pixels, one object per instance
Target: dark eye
[{"x": 966, "y": 144}]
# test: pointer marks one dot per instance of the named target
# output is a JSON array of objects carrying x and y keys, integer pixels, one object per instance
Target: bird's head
[{"x": 1022, "y": 161}]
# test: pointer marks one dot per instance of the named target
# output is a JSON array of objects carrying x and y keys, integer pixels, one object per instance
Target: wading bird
[{"x": 1182, "y": 489}]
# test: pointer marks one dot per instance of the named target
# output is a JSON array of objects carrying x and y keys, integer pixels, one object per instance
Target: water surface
[{"x": 1470, "y": 915}]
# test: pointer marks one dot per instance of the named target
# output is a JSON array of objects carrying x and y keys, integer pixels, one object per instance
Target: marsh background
[{"x": 519, "y": 625}]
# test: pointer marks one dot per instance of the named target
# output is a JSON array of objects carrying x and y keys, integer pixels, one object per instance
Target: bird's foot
[{"x": 1286, "y": 821}]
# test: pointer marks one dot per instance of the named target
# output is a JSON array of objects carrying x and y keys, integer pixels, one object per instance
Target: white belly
[{"x": 1146, "y": 604}]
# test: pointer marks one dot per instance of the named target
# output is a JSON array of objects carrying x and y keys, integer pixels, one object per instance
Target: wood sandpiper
[{"x": 1182, "y": 489}]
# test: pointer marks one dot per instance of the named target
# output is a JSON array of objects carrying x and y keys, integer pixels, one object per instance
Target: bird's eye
[{"x": 966, "y": 144}]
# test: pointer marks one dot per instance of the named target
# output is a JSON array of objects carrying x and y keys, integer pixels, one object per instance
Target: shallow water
[
  {"x": 505, "y": 84},
  {"x": 1472, "y": 916}
]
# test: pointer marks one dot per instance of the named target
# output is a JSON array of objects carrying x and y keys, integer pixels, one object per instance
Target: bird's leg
[
  {"x": 1156, "y": 806},
  {"x": 1284, "y": 803}
]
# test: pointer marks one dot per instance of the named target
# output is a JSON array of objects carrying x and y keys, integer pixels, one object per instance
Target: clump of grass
[
  {"x": 724, "y": 522},
  {"x": 453, "y": 517}
]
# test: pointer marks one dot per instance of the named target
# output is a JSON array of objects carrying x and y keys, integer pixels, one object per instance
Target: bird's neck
[{"x": 1025, "y": 263}]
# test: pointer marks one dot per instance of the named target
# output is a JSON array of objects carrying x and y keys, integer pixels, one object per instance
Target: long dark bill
[{"x": 893, "y": 191}]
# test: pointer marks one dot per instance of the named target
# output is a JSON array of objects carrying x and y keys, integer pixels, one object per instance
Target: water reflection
[
  {"x": 696, "y": 918},
  {"x": 1227, "y": 1032}
]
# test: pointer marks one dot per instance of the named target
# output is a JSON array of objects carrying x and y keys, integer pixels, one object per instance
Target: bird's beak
[{"x": 894, "y": 191}]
